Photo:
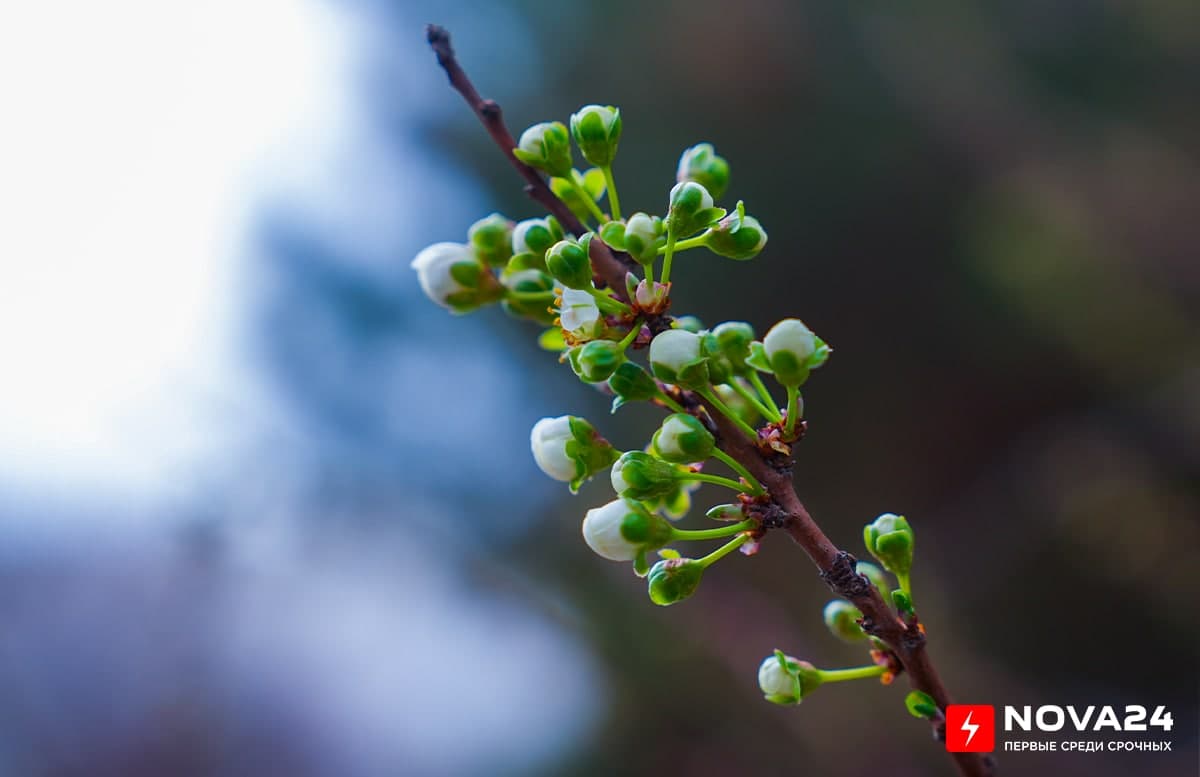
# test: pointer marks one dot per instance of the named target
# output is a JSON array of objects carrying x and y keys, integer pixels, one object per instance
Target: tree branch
[{"x": 774, "y": 470}]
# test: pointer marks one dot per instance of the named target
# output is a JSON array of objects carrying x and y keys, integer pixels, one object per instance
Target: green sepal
[
  {"x": 921, "y": 705},
  {"x": 526, "y": 260},
  {"x": 590, "y": 452},
  {"x": 466, "y": 273},
  {"x": 613, "y": 235},
  {"x": 669, "y": 553},
  {"x": 641, "y": 567},
  {"x": 671, "y": 580},
  {"x": 758, "y": 358}
]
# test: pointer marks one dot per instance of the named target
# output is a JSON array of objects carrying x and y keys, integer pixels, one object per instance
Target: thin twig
[{"x": 772, "y": 469}]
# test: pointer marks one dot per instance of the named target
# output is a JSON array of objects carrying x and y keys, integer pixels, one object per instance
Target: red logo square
[{"x": 970, "y": 728}]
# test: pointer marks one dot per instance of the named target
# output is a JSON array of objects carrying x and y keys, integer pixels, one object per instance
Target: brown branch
[{"x": 772, "y": 469}]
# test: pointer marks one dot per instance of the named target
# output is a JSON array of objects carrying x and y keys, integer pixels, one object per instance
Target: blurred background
[{"x": 264, "y": 510}]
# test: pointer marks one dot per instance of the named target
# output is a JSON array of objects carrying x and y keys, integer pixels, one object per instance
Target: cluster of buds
[{"x": 708, "y": 379}]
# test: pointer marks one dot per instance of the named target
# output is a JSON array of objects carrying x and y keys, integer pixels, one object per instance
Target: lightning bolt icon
[{"x": 970, "y": 728}]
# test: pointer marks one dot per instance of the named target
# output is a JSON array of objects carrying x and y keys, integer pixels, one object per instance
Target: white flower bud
[
  {"x": 672, "y": 351},
  {"x": 622, "y": 530},
  {"x": 775, "y": 681},
  {"x": 579, "y": 314},
  {"x": 789, "y": 346},
  {"x": 549, "y": 440},
  {"x": 535, "y": 235},
  {"x": 433, "y": 267}
]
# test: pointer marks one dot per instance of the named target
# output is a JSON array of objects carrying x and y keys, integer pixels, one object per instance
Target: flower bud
[
  {"x": 733, "y": 341},
  {"x": 682, "y": 439},
  {"x": 451, "y": 276},
  {"x": 650, "y": 296},
  {"x": 720, "y": 370},
  {"x": 890, "y": 540},
  {"x": 737, "y": 236},
  {"x": 569, "y": 449},
  {"x": 842, "y": 618},
  {"x": 672, "y": 580},
  {"x": 491, "y": 237},
  {"x": 875, "y": 575},
  {"x": 622, "y": 530},
  {"x": 689, "y": 324},
  {"x": 701, "y": 164},
  {"x": 691, "y": 209},
  {"x": 592, "y": 182},
  {"x": 529, "y": 282},
  {"x": 676, "y": 503},
  {"x": 595, "y": 362},
  {"x": 787, "y": 680},
  {"x": 535, "y": 236},
  {"x": 643, "y": 236},
  {"x": 921, "y": 705},
  {"x": 579, "y": 316},
  {"x": 547, "y": 147},
  {"x": 675, "y": 357},
  {"x": 568, "y": 262},
  {"x": 597, "y": 130},
  {"x": 790, "y": 351},
  {"x": 631, "y": 383},
  {"x": 638, "y": 475}
]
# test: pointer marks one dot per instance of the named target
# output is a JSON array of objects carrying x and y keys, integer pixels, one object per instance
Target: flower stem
[
  {"x": 628, "y": 339},
  {"x": 683, "y": 245},
  {"x": 763, "y": 391},
  {"x": 588, "y": 202},
  {"x": 613, "y": 202},
  {"x": 769, "y": 412},
  {"x": 857, "y": 673},
  {"x": 605, "y": 302},
  {"x": 736, "y": 466},
  {"x": 530, "y": 295},
  {"x": 793, "y": 396},
  {"x": 723, "y": 551},
  {"x": 666, "y": 400},
  {"x": 714, "y": 479},
  {"x": 710, "y": 534},
  {"x": 668, "y": 255},
  {"x": 711, "y": 397}
]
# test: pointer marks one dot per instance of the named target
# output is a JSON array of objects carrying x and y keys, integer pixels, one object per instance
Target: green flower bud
[
  {"x": 682, "y": 439},
  {"x": 491, "y": 237},
  {"x": 921, "y": 705},
  {"x": 875, "y": 575},
  {"x": 536, "y": 236},
  {"x": 579, "y": 316},
  {"x": 595, "y": 362},
  {"x": 547, "y": 147},
  {"x": 451, "y": 276},
  {"x": 691, "y": 210},
  {"x": 733, "y": 341},
  {"x": 786, "y": 680},
  {"x": 569, "y": 449},
  {"x": 701, "y": 164},
  {"x": 597, "y": 130},
  {"x": 737, "y": 236},
  {"x": 719, "y": 368},
  {"x": 643, "y": 236},
  {"x": 675, "y": 357},
  {"x": 672, "y": 580},
  {"x": 790, "y": 351},
  {"x": 592, "y": 182},
  {"x": 842, "y": 619},
  {"x": 689, "y": 324},
  {"x": 631, "y": 383},
  {"x": 890, "y": 540},
  {"x": 568, "y": 262},
  {"x": 529, "y": 282},
  {"x": 638, "y": 475},
  {"x": 623, "y": 530}
]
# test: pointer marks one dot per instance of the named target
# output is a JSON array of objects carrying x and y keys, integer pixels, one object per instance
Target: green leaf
[{"x": 552, "y": 340}]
